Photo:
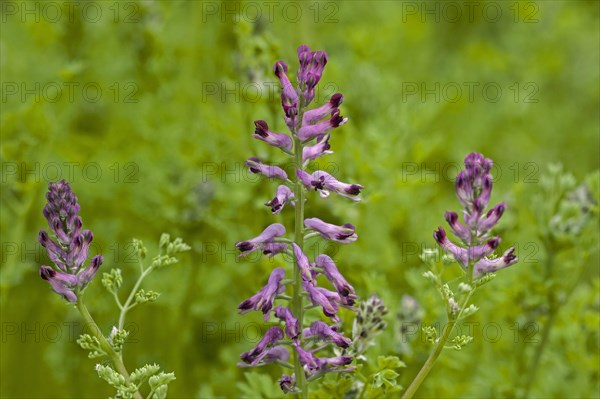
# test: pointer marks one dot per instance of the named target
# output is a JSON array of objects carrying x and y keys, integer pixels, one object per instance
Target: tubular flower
[
  {"x": 303, "y": 264},
  {"x": 264, "y": 240},
  {"x": 323, "y": 182},
  {"x": 318, "y": 150},
  {"x": 289, "y": 96},
  {"x": 269, "y": 340},
  {"x": 284, "y": 194},
  {"x": 272, "y": 172},
  {"x": 292, "y": 327},
  {"x": 69, "y": 250},
  {"x": 325, "y": 333},
  {"x": 263, "y": 299},
  {"x": 323, "y": 298},
  {"x": 332, "y": 273},
  {"x": 317, "y": 114},
  {"x": 263, "y": 133},
  {"x": 287, "y": 383},
  {"x": 343, "y": 234},
  {"x": 309, "y": 132},
  {"x": 473, "y": 189}
]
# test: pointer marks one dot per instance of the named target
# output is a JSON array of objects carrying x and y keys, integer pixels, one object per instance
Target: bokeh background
[{"x": 147, "y": 108}]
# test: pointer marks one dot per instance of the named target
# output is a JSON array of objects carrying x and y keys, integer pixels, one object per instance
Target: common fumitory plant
[
  {"x": 308, "y": 139},
  {"x": 68, "y": 245},
  {"x": 473, "y": 249}
]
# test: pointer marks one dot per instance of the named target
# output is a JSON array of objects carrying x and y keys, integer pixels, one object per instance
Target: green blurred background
[{"x": 147, "y": 108}]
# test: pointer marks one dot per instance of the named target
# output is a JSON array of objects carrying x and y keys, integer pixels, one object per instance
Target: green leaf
[{"x": 389, "y": 362}]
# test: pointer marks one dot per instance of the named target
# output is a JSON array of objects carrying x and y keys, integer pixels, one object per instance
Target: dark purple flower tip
[
  {"x": 261, "y": 128},
  {"x": 353, "y": 189},
  {"x": 337, "y": 119},
  {"x": 509, "y": 256},
  {"x": 451, "y": 217},
  {"x": 46, "y": 272},
  {"x": 439, "y": 235},
  {"x": 493, "y": 243},
  {"x": 287, "y": 383},
  {"x": 283, "y": 195},
  {"x": 244, "y": 246},
  {"x": 280, "y": 68},
  {"x": 336, "y": 100}
]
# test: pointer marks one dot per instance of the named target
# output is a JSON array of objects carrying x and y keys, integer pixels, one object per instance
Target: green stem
[
  {"x": 91, "y": 325},
  {"x": 297, "y": 298},
  {"x": 416, "y": 383},
  {"x": 127, "y": 305},
  {"x": 441, "y": 343}
]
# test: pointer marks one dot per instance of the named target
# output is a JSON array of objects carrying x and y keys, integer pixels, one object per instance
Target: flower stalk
[
  {"x": 474, "y": 254},
  {"x": 115, "y": 358},
  {"x": 308, "y": 139}
]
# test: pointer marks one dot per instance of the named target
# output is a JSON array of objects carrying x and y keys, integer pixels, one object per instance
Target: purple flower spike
[
  {"x": 292, "y": 327},
  {"x": 474, "y": 189},
  {"x": 323, "y": 298},
  {"x": 303, "y": 264},
  {"x": 279, "y": 140},
  {"x": 284, "y": 194},
  {"x": 485, "y": 265},
  {"x": 70, "y": 250},
  {"x": 318, "y": 150},
  {"x": 271, "y": 337},
  {"x": 317, "y": 114},
  {"x": 309, "y": 132},
  {"x": 263, "y": 299},
  {"x": 260, "y": 241},
  {"x": 332, "y": 273},
  {"x": 257, "y": 167},
  {"x": 326, "y": 333},
  {"x": 323, "y": 182},
  {"x": 343, "y": 234}
]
